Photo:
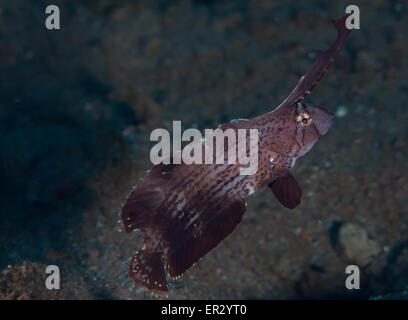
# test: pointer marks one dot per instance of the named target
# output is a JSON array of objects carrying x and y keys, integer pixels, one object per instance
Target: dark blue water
[{"x": 77, "y": 106}]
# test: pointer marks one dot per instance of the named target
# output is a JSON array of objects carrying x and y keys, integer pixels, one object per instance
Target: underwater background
[{"x": 77, "y": 106}]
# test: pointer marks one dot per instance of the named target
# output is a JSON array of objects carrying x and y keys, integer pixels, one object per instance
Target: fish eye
[{"x": 304, "y": 119}]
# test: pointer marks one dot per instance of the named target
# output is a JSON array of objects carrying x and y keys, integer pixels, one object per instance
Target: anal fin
[{"x": 186, "y": 249}]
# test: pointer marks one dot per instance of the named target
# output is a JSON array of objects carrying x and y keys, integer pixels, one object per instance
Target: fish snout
[{"x": 323, "y": 119}]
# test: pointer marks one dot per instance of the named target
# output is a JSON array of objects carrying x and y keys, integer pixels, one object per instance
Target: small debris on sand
[{"x": 355, "y": 244}]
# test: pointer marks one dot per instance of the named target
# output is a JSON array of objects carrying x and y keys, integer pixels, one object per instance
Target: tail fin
[
  {"x": 146, "y": 268},
  {"x": 180, "y": 227}
]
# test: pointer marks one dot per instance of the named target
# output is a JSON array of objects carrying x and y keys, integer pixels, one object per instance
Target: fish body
[{"x": 185, "y": 210}]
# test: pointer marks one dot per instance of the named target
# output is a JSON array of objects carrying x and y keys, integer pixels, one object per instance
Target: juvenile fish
[{"x": 186, "y": 210}]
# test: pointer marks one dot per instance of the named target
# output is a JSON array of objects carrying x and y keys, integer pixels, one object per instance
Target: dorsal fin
[{"x": 321, "y": 65}]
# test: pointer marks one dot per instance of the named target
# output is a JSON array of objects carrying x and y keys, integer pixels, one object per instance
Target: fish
[{"x": 186, "y": 210}]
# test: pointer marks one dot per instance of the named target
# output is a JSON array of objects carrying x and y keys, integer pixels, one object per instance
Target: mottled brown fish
[{"x": 186, "y": 210}]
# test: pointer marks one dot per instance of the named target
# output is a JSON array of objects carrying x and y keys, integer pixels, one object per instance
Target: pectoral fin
[{"x": 286, "y": 189}]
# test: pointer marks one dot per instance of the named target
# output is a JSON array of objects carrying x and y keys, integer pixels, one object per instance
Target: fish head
[
  {"x": 300, "y": 127},
  {"x": 312, "y": 122},
  {"x": 297, "y": 126}
]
